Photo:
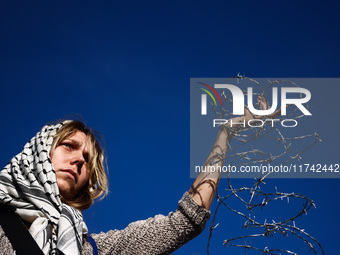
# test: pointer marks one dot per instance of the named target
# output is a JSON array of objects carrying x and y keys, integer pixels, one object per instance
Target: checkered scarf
[{"x": 28, "y": 184}]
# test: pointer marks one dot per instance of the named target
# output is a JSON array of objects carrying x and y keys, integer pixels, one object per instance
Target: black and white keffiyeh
[{"x": 28, "y": 184}]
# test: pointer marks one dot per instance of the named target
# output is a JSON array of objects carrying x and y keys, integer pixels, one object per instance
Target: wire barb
[{"x": 254, "y": 197}]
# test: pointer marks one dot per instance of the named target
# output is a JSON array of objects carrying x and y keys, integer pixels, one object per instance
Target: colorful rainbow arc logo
[{"x": 208, "y": 92}]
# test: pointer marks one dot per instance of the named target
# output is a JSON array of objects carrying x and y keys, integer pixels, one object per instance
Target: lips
[{"x": 71, "y": 174}]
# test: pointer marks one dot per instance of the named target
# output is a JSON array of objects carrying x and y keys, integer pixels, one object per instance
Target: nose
[{"x": 79, "y": 161}]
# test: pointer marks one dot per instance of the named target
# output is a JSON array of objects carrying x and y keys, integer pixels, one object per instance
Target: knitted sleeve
[
  {"x": 158, "y": 235},
  {"x": 5, "y": 244}
]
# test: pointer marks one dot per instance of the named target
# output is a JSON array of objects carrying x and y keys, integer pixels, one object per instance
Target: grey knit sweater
[{"x": 158, "y": 235}]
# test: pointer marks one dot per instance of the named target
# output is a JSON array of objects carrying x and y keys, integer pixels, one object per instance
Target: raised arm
[{"x": 205, "y": 185}]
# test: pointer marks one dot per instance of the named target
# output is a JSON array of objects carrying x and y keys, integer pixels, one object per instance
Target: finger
[{"x": 262, "y": 102}]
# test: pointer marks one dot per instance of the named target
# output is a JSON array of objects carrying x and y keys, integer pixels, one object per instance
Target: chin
[{"x": 65, "y": 189}]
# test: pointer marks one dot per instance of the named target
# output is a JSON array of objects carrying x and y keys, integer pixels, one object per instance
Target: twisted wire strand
[{"x": 251, "y": 155}]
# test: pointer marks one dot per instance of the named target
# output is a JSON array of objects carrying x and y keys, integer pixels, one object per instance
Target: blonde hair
[{"x": 97, "y": 185}]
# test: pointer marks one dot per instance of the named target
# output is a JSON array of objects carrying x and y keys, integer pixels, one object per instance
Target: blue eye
[{"x": 67, "y": 145}]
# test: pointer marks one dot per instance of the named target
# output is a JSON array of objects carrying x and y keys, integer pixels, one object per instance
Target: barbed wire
[{"x": 242, "y": 153}]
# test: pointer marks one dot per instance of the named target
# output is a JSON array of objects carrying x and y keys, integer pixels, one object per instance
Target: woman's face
[{"x": 69, "y": 159}]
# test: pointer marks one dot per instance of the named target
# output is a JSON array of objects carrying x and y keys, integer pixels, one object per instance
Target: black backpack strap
[{"x": 17, "y": 233}]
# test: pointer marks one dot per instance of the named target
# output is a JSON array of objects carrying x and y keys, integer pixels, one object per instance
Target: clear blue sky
[{"x": 125, "y": 66}]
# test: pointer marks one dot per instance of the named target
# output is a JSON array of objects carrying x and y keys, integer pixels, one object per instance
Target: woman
[{"x": 60, "y": 172}]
